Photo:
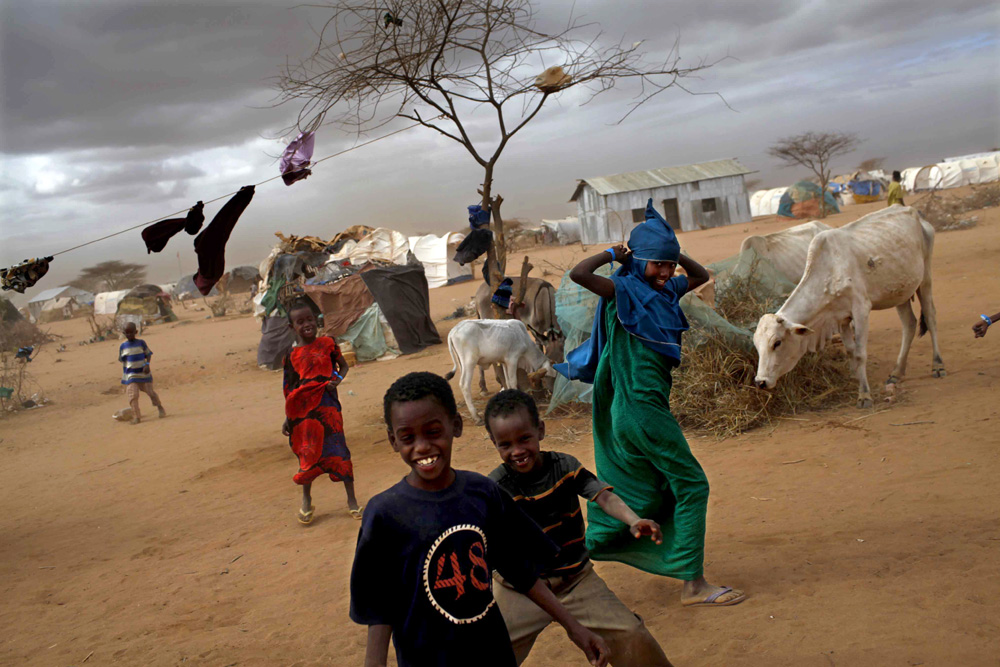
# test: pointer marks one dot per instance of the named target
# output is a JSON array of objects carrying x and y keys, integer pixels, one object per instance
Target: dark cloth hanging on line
[
  {"x": 295, "y": 160},
  {"x": 472, "y": 246},
  {"x": 156, "y": 235},
  {"x": 24, "y": 275},
  {"x": 210, "y": 245}
]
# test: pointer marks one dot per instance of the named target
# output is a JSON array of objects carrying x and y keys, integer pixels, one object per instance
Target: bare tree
[
  {"x": 111, "y": 276},
  {"x": 871, "y": 164},
  {"x": 467, "y": 69},
  {"x": 815, "y": 151}
]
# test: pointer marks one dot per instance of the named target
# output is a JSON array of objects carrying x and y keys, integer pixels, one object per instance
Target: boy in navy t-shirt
[{"x": 428, "y": 545}]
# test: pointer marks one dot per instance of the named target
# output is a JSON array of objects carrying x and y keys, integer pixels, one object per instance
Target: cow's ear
[{"x": 801, "y": 330}]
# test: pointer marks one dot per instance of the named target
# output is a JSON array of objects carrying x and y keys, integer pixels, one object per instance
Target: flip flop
[
  {"x": 357, "y": 513},
  {"x": 710, "y": 601},
  {"x": 305, "y": 518}
]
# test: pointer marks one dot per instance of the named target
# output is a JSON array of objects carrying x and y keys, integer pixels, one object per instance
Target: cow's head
[
  {"x": 553, "y": 341},
  {"x": 780, "y": 344}
]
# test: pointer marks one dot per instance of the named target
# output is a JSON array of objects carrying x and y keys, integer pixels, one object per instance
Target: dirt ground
[{"x": 860, "y": 537}]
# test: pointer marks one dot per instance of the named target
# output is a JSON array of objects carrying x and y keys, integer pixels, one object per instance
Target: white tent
[
  {"x": 970, "y": 172},
  {"x": 989, "y": 168},
  {"x": 951, "y": 174},
  {"x": 106, "y": 303},
  {"x": 766, "y": 202},
  {"x": 907, "y": 178},
  {"x": 928, "y": 177},
  {"x": 36, "y": 304},
  {"x": 436, "y": 253},
  {"x": 565, "y": 231},
  {"x": 381, "y": 244}
]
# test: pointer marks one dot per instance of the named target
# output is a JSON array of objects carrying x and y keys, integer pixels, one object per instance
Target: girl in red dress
[{"x": 313, "y": 420}]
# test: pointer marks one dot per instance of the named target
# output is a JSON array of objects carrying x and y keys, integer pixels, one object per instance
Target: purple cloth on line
[{"x": 297, "y": 156}]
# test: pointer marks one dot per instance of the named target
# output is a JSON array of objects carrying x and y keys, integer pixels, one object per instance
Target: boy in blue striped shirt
[{"x": 136, "y": 376}]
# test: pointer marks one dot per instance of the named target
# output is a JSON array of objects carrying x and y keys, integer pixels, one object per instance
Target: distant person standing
[
  {"x": 136, "y": 376},
  {"x": 896, "y": 190}
]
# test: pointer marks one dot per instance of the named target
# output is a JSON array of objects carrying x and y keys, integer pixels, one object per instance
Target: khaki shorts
[{"x": 132, "y": 390}]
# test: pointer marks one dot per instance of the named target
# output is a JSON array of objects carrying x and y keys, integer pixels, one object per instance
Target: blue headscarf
[{"x": 653, "y": 316}]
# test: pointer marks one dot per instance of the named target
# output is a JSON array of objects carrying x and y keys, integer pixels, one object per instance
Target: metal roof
[
  {"x": 65, "y": 290},
  {"x": 655, "y": 178}
]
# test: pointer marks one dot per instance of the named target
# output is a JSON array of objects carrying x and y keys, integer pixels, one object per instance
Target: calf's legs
[
  {"x": 928, "y": 317},
  {"x": 909, "y": 322}
]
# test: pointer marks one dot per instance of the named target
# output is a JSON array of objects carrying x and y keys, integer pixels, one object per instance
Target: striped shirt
[
  {"x": 550, "y": 495},
  {"x": 134, "y": 356}
]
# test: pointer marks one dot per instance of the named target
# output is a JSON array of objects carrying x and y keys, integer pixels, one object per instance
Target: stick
[
  {"x": 523, "y": 286},
  {"x": 236, "y": 559},
  {"x": 788, "y": 463},
  {"x": 109, "y": 465},
  {"x": 88, "y": 656},
  {"x": 912, "y": 423},
  {"x": 47, "y": 567},
  {"x": 857, "y": 419}
]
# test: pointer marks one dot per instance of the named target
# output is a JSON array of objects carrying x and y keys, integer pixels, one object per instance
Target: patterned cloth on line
[
  {"x": 314, "y": 413},
  {"x": 135, "y": 356}
]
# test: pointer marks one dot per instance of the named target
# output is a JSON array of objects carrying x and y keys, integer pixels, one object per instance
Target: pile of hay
[
  {"x": 713, "y": 388},
  {"x": 950, "y": 213}
]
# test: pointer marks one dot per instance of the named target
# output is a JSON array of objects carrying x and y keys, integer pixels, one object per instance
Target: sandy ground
[{"x": 860, "y": 541}]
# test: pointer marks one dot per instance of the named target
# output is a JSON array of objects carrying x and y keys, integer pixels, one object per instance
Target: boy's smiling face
[
  {"x": 518, "y": 439},
  {"x": 422, "y": 432},
  {"x": 658, "y": 273}
]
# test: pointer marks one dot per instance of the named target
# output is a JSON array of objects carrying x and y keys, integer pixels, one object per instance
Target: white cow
[
  {"x": 880, "y": 261},
  {"x": 786, "y": 249},
  {"x": 481, "y": 343}
]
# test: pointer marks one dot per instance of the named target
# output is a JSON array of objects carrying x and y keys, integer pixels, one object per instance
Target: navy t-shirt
[{"x": 424, "y": 566}]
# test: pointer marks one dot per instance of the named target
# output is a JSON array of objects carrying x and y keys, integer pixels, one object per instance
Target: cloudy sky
[{"x": 118, "y": 112}]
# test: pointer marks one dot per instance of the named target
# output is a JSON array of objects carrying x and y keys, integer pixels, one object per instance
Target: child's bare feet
[
  {"x": 700, "y": 593},
  {"x": 162, "y": 412}
]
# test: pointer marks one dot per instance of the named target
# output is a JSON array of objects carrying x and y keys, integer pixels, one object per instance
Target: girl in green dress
[{"x": 638, "y": 446}]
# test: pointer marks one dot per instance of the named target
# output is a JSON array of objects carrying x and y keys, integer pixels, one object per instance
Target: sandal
[
  {"x": 356, "y": 513},
  {"x": 305, "y": 518},
  {"x": 711, "y": 600}
]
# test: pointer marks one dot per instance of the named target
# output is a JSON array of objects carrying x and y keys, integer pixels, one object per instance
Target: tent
[
  {"x": 36, "y": 304},
  {"x": 60, "y": 308},
  {"x": 970, "y": 172},
  {"x": 908, "y": 177},
  {"x": 563, "y": 232},
  {"x": 436, "y": 253},
  {"x": 928, "y": 177},
  {"x": 766, "y": 202},
  {"x": 9, "y": 312},
  {"x": 951, "y": 174},
  {"x": 241, "y": 279},
  {"x": 147, "y": 301},
  {"x": 802, "y": 201},
  {"x": 106, "y": 303},
  {"x": 383, "y": 244},
  {"x": 989, "y": 168},
  {"x": 186, "y": 289}
]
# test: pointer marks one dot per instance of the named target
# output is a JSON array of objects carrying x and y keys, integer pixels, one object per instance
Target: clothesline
[{"x": 169, "y": 215}]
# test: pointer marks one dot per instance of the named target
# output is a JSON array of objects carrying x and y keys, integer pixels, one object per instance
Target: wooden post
[{"x": 521, "y": 288}]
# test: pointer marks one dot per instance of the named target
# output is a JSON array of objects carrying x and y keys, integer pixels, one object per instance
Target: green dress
[{"x": 640, "y": 450}]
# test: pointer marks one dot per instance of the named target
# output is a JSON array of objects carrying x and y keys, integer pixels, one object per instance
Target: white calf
[{"x": 481, "y": 343}]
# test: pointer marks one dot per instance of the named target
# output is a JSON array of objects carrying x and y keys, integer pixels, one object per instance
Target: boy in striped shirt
[
  {"x": 136, "y": 376},
  {"x": 548, "y": 486}
]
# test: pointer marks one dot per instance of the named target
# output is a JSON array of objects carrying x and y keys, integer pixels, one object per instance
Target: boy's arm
[
  {"x": 583, "y": 273},
  {"x": 616, "y": 507},
  {"x": 592, "y": 645},
  {"x": 981, "y": 326},
  {"x": 377, "y": 649},
  {"x": 697, "y": 274}
]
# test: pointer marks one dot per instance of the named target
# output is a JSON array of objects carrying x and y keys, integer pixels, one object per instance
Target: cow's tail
[
  {"x": 454, "y": 359},
  {"x": 923, "y": 325}
]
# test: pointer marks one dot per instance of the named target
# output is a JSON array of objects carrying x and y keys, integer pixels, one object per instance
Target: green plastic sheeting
[{"x": 367, "y": 337}]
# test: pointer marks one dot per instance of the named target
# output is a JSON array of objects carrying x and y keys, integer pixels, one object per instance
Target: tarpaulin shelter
[
  {"x": 60, "y": 308},
  {"x": 802, "y": 200},
  {"x": 436, "y": 253},
  {"x": 563, "y": 232},
  {"x": 9, "y": 312},
  {"x": 186, "y": 289},
  {"x": 239, "y": 280},
  {"x": 38, "y": 302},
  {"x": 106, "y": 303},
  {"x": 147, "y": 301}
]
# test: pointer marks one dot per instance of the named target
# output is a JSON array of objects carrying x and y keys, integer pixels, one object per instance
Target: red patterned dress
[{"x": 314, "y": 414}]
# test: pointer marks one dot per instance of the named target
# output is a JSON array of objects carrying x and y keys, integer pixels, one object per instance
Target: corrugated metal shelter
[{"x": 691, "y": 197}]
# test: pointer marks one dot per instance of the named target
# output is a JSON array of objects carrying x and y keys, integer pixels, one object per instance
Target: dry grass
[
  {"x": 713, "y": 388},
  {"x": 948, "y": 213},
  {"x": 742, "y": 299}
]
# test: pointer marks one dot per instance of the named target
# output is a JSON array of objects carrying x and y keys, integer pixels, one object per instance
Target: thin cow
[
  {"x": 880, "y": 261},
  {"x": 480, "y": 343},
  {"x": 787, "y": 249}
]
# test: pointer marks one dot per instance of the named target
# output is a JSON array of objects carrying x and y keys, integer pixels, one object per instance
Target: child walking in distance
[
  {"x": 428, "y": 545},
  {"x": 136, "y": 376},
  {"x": 314, "y": 423},
  {"x": 548, "y": 486},
  {"x": 638, "y": 445}
]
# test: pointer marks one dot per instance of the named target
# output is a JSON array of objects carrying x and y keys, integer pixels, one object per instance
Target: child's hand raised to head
[
  {"x": 647, "y": 527},
  {"x": 622, "y": 253}
]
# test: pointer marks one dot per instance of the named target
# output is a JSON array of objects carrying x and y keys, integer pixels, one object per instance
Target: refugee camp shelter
[
  {"x": 690, "y": 197},
  {"x": 60, "y": 308},
  {"x": 239, "y": 280},
  {"x": 35, "y": 305},
  {"x": 149, "y": 302},
  {"x": 766, "y": 202},
  {"x": 436, "y": 253},
  {"x": 106, "y": 303},
  {"x": 802, "y": 201},
  {"x": 953, "y": 172},
  {"x": 562, "y": 232},
  {"x": 186, "y": 289}
]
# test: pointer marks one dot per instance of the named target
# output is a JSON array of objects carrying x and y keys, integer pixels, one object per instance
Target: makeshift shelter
[
  {"x": 239, "y": 280},
  {"x": 146, "y": 301},
  {"x": 383, "y": 244},
  {"x": 186, "y": 289},
  {"x": 61, "y": 308},
  {"x": 9, "y": 312},
  {"x": 563, "y": 232},
  {"x": 766, "y": 202},
  {"x": 864, "y": 190},
  {"x": 802, "y": 201},
  {"x": 106, "y": 303},
  {"x": 276, "y": 341},
  {"x": 436, "y": 254},
  {"x": 36, "y": 304},
  {"x": 928, "y": 177}
]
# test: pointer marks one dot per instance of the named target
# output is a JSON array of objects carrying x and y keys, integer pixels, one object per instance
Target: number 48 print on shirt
[{"x": 456, "y": 577}]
